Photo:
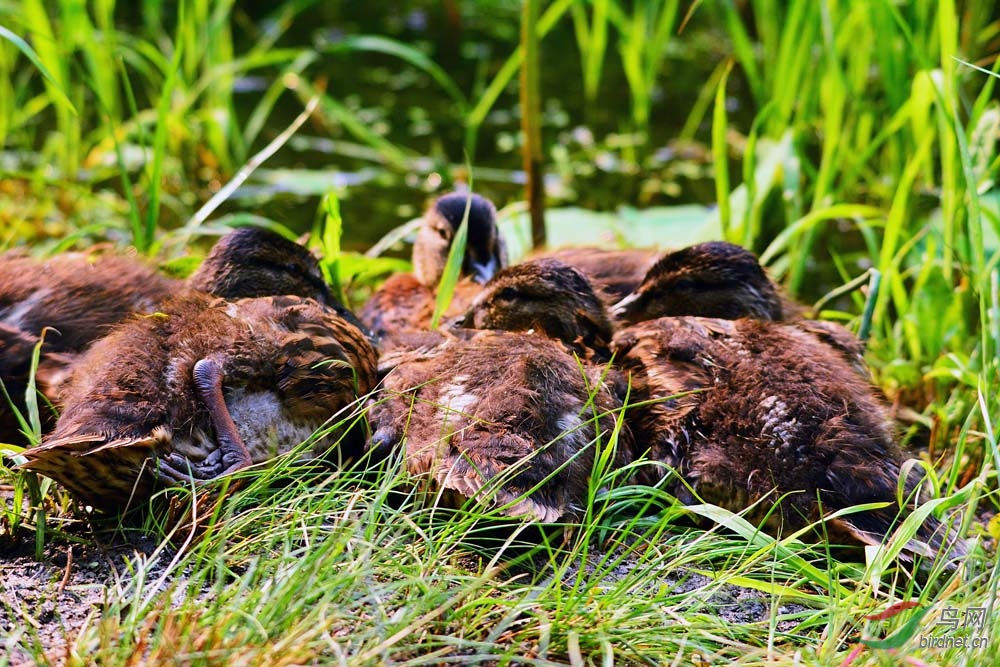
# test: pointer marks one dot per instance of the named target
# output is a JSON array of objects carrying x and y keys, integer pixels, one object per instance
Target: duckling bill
[{"x": 202, "y": 388}]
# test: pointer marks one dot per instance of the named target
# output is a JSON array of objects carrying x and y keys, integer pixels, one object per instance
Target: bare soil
[{"x": 45, "y": 603}]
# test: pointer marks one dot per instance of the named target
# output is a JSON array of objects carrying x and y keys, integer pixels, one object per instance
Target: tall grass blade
[
  {"x": 163, "y": 119},
  {"x": 330, "y": 235},
  {"x": 54, "y": 88},
  {"x": 532, "y": 155},
  {"x": 720, "y": 155},
  {"x": 453, "y": 267}
]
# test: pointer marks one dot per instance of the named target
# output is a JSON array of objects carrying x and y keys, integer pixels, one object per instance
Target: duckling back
[
  {"x": 744, "y": 409},
  {"x": 505, "y": 418}
]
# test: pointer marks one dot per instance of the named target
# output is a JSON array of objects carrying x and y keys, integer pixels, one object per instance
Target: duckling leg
[{"x": 231, "y": 455}]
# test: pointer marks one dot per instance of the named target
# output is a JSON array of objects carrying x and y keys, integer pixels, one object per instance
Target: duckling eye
[{"x": 507, "y": 294}]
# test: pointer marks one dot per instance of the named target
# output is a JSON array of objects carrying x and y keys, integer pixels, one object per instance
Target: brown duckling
[
  {"x": 740, "y": 409},
  {"x": 718, "y": 279},
  {"x": 252, "y": 261},
  {"x": 548, "y": 296},
  {"x": 202, "y": 388},
  {"x": 614, "y": 274},
  {"x": 714, "y": 279},
  {"x": 745, "y": 410},
  {"x": 406, "y": 301},
  {"x": 504, "y": 418},
  {"x": 80, "y": 296}
]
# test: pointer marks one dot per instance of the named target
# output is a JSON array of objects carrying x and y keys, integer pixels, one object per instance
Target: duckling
[
  {"x": 252, "y": 262},
  {"x": 614, "y": 274},
  {"x": 79, "y": 296},
  {"x": 503, "y": 418},
  {"x": 406, "y": 301},
  {"x": 714, "y": 279},
  {"x": 718, "y": 279},
  {"x": 203, "y": 388},
  {"x": 745, "y": 410},
  {"x": 739, "y": 408},
  {"x": 548, "y": 296}
]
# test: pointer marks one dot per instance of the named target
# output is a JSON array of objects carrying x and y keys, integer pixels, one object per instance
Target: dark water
[{"x": 405, "y": 106}]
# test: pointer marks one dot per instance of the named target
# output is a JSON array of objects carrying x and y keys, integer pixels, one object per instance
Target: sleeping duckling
[
  {"x": 719, "y": 279},
  {"x": 507, "y": 419},
  {"x": 80, "y": 296},
  {"x": 405, "y": 302},
  {"x": 203, "y": 388},
  {"x": 714, "y": 279},
  {"x": 506, "y": 415}
]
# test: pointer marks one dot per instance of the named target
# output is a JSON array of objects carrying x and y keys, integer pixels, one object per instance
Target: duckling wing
[
  {"x": 670, "y": 361},
  {"x": 85, "y": 444},
  {"x": 841, "y": 340},
  {"x": 98, "y": 468},
  {"x": 327, "y": 360}
]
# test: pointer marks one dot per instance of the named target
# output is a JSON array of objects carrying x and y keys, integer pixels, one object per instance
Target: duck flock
[{"x": 686, "y": 370}]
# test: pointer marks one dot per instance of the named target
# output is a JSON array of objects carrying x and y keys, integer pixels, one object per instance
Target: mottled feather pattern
[
  {"x": 778, "y": 411},
  {"x": 495, "y": 407},
  {"x": 148, "y": 407}
]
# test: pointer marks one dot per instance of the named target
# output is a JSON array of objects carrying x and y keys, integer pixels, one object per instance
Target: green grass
[{"x": 869, "y": 145}]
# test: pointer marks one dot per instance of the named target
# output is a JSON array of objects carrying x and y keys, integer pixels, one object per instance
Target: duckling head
[
  {"x": 714, "y": 279},
  {"x": 256, "y": 262},
  {"x": 485, "y": 250},
  {"x": 547, "y": 296}
]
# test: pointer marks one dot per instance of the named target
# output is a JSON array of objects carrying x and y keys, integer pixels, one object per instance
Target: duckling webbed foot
[{"x": 175, "y": 469}]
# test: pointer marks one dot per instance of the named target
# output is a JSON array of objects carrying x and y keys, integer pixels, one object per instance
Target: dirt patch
[{"x": 45, "y": 603}]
